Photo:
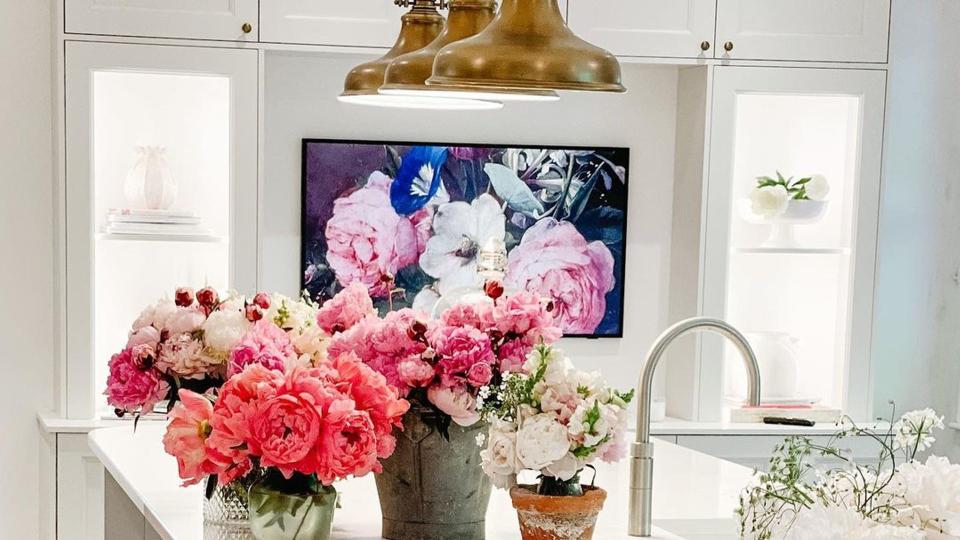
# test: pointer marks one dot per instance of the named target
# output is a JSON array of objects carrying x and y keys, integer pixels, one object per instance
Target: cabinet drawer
[
  {"x": 361, "y": 23},
  {"x": 188, "y": 19},
  {"x": 814, "y": 30}
]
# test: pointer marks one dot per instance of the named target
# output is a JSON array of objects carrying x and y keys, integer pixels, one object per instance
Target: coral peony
[
  {"x": 371, "y": 393},
  {"x": 349, "y": 445},
  {"x": 368, "y": 242},
  {"x": 554, "y": 260},
  {"x": 346, "y": 309},
  {"x": 132, "y": 386},
  {"x": 283, "y": 433},
  {"x": 266, "y": 344},
  {"x": 186, "y": 436}
]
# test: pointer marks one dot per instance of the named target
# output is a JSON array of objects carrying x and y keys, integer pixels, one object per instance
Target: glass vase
[
  {"x": 283, "y": 516},
  {"x": 227, "y": 509}
]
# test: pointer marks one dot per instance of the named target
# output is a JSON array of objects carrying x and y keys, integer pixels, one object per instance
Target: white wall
[
  {"x": 916, "y": 346},
  {"x": 26, "y": 273},
  {"x": 300, "y": 102}
]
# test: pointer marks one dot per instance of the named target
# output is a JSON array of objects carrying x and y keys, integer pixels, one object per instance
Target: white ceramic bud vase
[{"x": 149, "y": 184}]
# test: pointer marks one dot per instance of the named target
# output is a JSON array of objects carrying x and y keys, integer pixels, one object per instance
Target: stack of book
[
  {"x": 820, "y": 414},
  {"x": 154, "y": 222}
]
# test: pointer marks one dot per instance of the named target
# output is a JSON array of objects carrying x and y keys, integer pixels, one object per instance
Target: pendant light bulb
[{"x": 528, "y": 46}]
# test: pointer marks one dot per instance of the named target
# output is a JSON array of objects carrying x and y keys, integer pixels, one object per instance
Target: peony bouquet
[
  {"x": 551, "y": 418},
  {"x": 197, "y": 340},
  {"x": 442, "y": 365},
  {"x": 899, "y": 497},
  {"x": 772, "y": 195}
]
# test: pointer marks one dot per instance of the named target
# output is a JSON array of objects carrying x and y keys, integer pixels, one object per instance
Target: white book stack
[{"x": 168, "y": 223}]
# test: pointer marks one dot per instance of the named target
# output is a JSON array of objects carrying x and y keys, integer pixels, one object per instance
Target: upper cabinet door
[
  {"x": 232, "y": 20},
  {"x": 815, "y": 30},
  {"x": 360, "y": 23},
  {"x": 670, "y": 28}
]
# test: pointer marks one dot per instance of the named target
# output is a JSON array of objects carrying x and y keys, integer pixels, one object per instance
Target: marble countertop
[{"x": 694, "y": 494}]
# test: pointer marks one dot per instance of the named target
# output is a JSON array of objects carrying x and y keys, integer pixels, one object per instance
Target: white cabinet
[
  {"x": 234, "y": 20},
  {"x": 371, "y": 23},
  {"x": 806, "y": 279},
  {"x": 665, "y": 28},
  {"x": 80, "y": 489},
  {"x": 816, "y": 30},
  {"x": 754, "y": 451},
  {"x": 200, "y": 105}
]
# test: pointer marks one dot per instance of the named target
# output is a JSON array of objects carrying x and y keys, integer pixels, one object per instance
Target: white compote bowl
[{"x": 802, "y": 212}]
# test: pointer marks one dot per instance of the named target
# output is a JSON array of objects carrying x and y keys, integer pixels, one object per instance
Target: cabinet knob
[
  {"x": 247, "y": 28},
  {"x": 728, "y": 46},
  {"x": 704, "y": 45}
]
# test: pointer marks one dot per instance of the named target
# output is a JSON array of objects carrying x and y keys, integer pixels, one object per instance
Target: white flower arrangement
[
  {"x": 894, "y": 499},
  {"x": 771, "y": 197},
  {"x": 553, "y": 419}
]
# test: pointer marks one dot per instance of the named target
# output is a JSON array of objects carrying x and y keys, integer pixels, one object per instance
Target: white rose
[
  {"x": 817, "y": 188},
  {"x": 542, "y": 439},
  {"x": 563, "y": 469},
  {"x": 769, "y": 201},
  {"x": 499, "y": 458},
  {"x": 223, "y": 329}
]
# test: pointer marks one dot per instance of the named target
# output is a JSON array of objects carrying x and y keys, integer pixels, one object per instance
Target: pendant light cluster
[{"x": 481, "y": 58}]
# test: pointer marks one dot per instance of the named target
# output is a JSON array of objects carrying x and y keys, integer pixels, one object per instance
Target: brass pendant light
[
  {"x": 408, "y": 73},
  {"x": 528, "y": 46},
  {"x": 421, "y": 25}
]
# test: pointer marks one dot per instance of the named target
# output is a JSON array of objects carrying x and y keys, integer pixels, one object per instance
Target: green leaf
[{"x": 513, "y": 190}]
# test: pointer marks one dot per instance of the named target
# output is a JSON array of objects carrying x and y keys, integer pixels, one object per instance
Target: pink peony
[
  {"x": 233, "y": 411},
  {"x": 183, "y": 356},
  {"x": 349, "y": 444},
  {"x": 525, "y": 315},
  {"x": 457, "y": 402},
  {"x": 415, "y": 373},
  {"x": 264, "y": 343},
  {"x": 383, "y": 343},
  {"x": 186, "y": 436},
  {"x": 345, "y": 309},
  {"x": 283, "y": 432},
  {"x": 459, "y": 349},
  {"x": 133, "y": 385},
  {"x": 146, "y": 335},
  {"x": 554, "y": 260},
  {"x": 479, "y": 374},
  {"x": 512, "y": 355},
  {"x": 475, "y": 315},
  {"x": 368, "y": 242}
]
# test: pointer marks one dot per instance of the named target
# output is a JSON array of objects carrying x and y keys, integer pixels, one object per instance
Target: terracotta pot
[{"x": 544, "y": 517}]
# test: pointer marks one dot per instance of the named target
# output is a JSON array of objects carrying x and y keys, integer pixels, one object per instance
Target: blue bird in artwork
[{"x": 418, "y": 179}]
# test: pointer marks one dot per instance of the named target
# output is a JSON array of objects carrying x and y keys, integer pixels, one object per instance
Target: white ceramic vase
[
  {"x": 779, "y": 368},
  {"x": 149, "y": 184}
]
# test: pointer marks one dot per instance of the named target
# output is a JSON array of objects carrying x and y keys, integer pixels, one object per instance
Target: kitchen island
[{"x": 694, "y": 495}]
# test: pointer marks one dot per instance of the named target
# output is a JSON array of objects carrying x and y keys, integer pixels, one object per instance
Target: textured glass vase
[
  {"x": 227, "y": 510},
  {"x": 283, "y": 516}
]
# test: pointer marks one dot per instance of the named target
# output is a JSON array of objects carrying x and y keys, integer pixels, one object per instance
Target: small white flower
[
  {"x": 769, "y": 201},
  {"x": 914, "y": 430},
  {"x": 817, "y": 188},
  {"x": 481, "y": 439}
]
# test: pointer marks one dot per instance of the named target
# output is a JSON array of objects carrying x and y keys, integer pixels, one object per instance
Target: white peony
[
  {"x": 156, "y": 315},
  {"x": 563, "y": 469},
  {"x": 769, "y": 201},
  {"x": 933, "y": 488},
  {"x": 836, "y": 523},
  {"x": 817, "y": 188},
  {"x": 460, "y": 229},
  {"x": 499, "y": 458},
  {"x": 224, "y": 328},
  {"x": 542, "y": 440},
  {"x": 290, "y": 314}
]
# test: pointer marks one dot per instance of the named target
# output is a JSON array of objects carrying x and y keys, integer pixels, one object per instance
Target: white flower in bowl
[
  {"x": 769, "y": 201},
  {"x": 817, "y": 188}
]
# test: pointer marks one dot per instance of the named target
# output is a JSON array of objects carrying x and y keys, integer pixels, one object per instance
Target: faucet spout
[{"x": 641, "y": 453}]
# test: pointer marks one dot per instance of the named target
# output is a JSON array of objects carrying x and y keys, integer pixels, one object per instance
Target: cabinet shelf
[
  {"x": 207, "y": 239},
  {"x": 792, "y": 250}
]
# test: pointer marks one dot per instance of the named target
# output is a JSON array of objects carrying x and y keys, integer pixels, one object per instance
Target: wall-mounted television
[{"x": 408, "y": 219}]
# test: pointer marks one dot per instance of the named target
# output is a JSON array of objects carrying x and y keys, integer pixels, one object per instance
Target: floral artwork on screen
[{"x": 408, "y": 221}]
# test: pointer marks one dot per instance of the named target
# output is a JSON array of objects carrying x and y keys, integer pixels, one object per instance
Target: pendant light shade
[
  {"x": 420, "y": 26},
  {"x": 528, "y": 46}
]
